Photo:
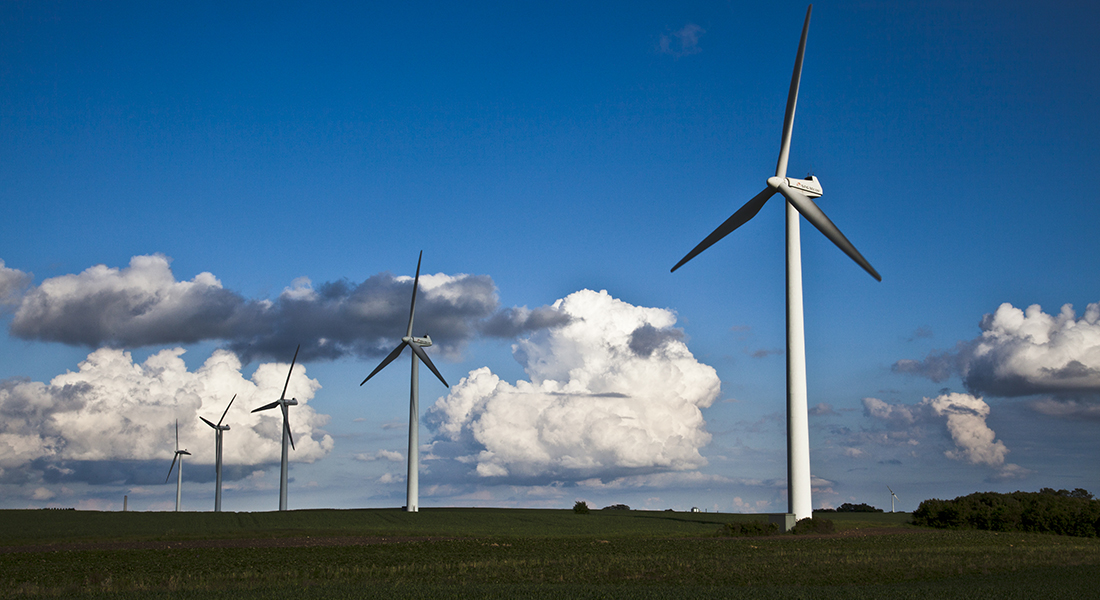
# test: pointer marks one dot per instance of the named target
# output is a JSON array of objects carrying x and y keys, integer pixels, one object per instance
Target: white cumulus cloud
[
  {"x": 613, "y": 389},
  {"x": 1022, "y": 353},
  {"x": 961, "y": 416},
  {"x": 113, "y": 412}
]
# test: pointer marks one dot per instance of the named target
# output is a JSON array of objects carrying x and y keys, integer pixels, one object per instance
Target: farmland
[{"x": 515, "y": 553}]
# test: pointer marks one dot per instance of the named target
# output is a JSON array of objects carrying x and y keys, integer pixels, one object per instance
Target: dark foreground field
[{"x": 499, "y": 553}]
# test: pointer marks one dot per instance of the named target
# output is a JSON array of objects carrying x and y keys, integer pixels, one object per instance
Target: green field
[{"x": 511, "y": 553}]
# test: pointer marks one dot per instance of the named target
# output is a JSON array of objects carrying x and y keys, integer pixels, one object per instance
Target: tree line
[{"x": 1061, "y": 512}]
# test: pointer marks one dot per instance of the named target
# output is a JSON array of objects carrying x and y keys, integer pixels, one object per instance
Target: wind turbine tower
[
  {"x": 797, "y": 193},
  {"x": 893, "y": 497},
  {"x": 417, "y": 344},
  {"x": 284, "y": 404},
  {"x": 218, "y": 429},
  {"x": 179, "y": 472}
]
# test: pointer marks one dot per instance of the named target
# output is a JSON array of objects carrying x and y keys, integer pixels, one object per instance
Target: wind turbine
[
  {"x": 893, "y": 497},
  {"x": 283, "y": 403},
  {"x": 797, "y": 193},
  {"x": 412, "y": 493},
  {"x": 218, "y": 429},
  {"x": 179, "y": 472}
]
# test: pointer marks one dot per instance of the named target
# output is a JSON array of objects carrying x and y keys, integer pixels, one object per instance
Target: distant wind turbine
[
  {"x": 893, "y": 497},
  {"x": 283, "y": 403},
  {"x": 798, "y": 193},
  {"x": 179, "y": 472},
  {"x": 412, "y": 494},
  {"x": 218, "y": 429}
]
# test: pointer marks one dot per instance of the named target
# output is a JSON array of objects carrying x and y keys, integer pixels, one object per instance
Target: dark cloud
[
  {"x": 511, "y": 322},
  {"x": 922, "y": 332},
  {"x": 144, "y": 305},
  {"x": 647, "y": 338},
  {"x": 367, "y": 319},
  {"x": 13, "y": 283},
  {"x": 765, "y": 353}
]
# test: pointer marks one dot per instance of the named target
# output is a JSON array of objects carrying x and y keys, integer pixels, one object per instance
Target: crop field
[{"x": 513, "y": 553}]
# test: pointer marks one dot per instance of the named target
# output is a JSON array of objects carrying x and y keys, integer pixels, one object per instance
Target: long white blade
[
  {"x": 424, "y": 357},
  {"x": 817, "y": 218},
  {"x": 792, "y": 100},
  {"x": 286, "y": 425},
  {"x": 736, "y": 220},
  {"x": 416, "y": 285},
  {"x": 227, "y": 408},
  {"x": 267, "y": 406},
  {"x": 289, "y": 373},
  {"x": 171, "y": 468},
  {"x": 385, "y": 361}
]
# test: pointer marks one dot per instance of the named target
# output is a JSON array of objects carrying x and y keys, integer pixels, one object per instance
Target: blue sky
[{"x": 301, "y": 157}]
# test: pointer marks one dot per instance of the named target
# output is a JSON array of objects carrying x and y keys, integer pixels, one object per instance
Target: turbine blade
[
  {"x": 177, "y": 435},
  {"x": 792, "y": 100},
  {"x": 818, "y": 219},
  {"x": 267, "y": 406},
  {"x": 171, "y": 468},
  {"x": 291, "y": 371},
  {"x": 286, "y": 425},
  {"x": 226, "y": 410},
  {"x": 209, "y": 423},
  {"x": 416, "y": 285},
  {"x": 386, "y": 361},
  {"x": 738, "y": 219},
  {"x": 424, "y": 357}
]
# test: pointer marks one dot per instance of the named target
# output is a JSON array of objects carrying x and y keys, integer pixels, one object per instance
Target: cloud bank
[
  {"x": 144, "y": 305},
  {"x": 613, "y": 391},
  {"x": 1027, "y": 353},
  {"x": 1023, "y": 353},
  {"x": 112, "y": 421},
  {"x": 964, "y": 418}
]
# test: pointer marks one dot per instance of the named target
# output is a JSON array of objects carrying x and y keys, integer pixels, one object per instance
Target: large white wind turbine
[
  {"x": 893, "y": 497},
  {"x": 798, "y": 193},
  {"x": 412, "y": 494},
  {"x": 284, "y": 404},
  {"x": 218, "y": 429},
  {"x": 179, "y": 472}
]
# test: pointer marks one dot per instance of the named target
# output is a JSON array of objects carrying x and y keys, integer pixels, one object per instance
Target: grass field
[{"x": 502, "y": 553}]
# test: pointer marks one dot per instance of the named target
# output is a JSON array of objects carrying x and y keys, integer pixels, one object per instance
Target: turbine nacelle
[
  {"x": 809, "y": 187},
  {"x": 423, "y": 342}
]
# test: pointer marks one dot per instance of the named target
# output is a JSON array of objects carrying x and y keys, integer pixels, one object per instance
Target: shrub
[
  {"x": 580, "y": 507},
  {"x": 617, "y": 507},
  {"x": 862, "y": 507},
  {"x": 813, "y": 525},
  {"x": 748, "y": 529}
]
